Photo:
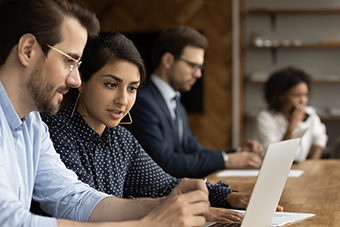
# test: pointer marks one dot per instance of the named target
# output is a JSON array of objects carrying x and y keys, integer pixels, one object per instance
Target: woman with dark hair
[
  {"x": 288, "y": 116},
  {"x": 87, "y": 135}
]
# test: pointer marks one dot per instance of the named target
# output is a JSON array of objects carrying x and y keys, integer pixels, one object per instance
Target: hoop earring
[
  {"x": 75, "y": 106},
  {"x": 128, "y": 122}
]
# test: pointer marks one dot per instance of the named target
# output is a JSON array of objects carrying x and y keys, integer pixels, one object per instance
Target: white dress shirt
[{"x": 271, "y": 127}]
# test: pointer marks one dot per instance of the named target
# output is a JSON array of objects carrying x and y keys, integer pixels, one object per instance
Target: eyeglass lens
[{"x": 194, "y": 66}]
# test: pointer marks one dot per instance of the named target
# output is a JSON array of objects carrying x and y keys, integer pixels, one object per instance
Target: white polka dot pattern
[{"x": 115, "y": 163}]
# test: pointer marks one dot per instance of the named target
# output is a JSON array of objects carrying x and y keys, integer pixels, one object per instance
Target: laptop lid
[{"x": 269, "y": 184}]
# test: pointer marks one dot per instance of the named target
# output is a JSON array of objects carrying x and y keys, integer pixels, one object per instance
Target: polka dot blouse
[{"x": 115, "y": 163}]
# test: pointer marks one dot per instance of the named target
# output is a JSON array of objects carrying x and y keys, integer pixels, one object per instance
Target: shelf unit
[
  {"x": 325, "y": 45},
  {"x": 315, "y": 81},
  {"x": 266, "y": 11},
  {"x": 275, "y": 22},
  {"x": 273, "y": 12},
  {"x": 320, "y": 45}
]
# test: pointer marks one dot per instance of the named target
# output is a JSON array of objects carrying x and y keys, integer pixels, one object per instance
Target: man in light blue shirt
[
  {"x": 32, "y": 163},
  {"x": 41, "y": 45}
]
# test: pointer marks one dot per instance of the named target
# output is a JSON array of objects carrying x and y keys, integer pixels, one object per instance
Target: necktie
[{"x": 178, "y": 120}]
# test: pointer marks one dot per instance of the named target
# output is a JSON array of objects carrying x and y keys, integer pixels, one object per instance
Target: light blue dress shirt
[
  {"x": 30, "y": 167},
  {"x": 169, "y": 94}
]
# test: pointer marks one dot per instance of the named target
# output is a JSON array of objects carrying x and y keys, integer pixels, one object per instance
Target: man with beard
[
  {"x": 41, "y": 45},
  {"x": 162, "y": 127}
]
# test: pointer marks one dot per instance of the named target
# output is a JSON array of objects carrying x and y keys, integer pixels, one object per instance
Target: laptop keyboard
[{"x": 226, "y": 224}]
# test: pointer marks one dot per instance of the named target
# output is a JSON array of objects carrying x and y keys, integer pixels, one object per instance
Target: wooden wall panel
[{"x": 213, "y": 18}]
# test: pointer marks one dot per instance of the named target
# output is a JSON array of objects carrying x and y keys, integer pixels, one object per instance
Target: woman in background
[
  {"x": 288, "y": 116},
  {"x": 105, "y": 155}
]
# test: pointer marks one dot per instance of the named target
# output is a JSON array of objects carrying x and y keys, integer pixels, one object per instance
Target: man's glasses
[
  {"x": 73, "y": 63},
  {"x": 194, "y": 67}
]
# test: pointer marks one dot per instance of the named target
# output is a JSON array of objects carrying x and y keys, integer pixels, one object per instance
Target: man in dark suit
[{"x": 160, "y": 122}]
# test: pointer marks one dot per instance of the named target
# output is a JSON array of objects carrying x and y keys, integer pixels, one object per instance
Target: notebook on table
[{"x": 268, "y": 187}]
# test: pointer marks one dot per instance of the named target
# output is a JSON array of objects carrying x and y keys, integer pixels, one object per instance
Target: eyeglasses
[
  {"x": 73, "y": 63},
  {"x": 194, "y": 66}
]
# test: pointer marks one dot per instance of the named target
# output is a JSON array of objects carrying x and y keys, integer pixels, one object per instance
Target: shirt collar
[
  {"x": 83, "y": 130},
  {"x": 167, "y": 93},
  {"x": 165, "y": 89},
  {"x": 11, "y": 115}
]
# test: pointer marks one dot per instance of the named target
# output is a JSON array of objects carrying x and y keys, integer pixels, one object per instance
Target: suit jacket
[{"x": 154, "y": 127}]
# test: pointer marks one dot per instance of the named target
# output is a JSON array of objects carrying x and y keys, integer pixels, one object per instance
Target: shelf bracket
[
  {"x": 273, "y": 21},
  {"x": 274, "y": 56}
]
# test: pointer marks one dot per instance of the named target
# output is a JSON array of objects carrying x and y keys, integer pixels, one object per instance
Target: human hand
[
  {"x": 316, "y": 152},
  {"x": 297, "y": 114},
  {"x": 253, "y": 146},
  {"x": 240, "y": 200},
  {"x": 243, "y": 159},
  {"x": 279, "y": 208},
  {"x": 224, "y": 215},
  {"x": 188, "y": 185},
  {"x": 183, "y": 210}
]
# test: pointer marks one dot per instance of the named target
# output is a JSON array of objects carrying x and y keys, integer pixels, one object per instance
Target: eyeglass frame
[
  {"x": 72, "y": 66},
  {"x": 194, "y": 66}
]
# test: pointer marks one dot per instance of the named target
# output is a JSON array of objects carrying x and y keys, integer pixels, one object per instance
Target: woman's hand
[
  {"x": 224, "y": 215},
  {"x": 297, "y": 115},
  {"x": 240, "y": 200}
]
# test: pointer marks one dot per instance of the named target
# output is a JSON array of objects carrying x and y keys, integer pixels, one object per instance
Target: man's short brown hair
[
  {"x": 42, "y": 18},
  {"x": 174, "y": 40}
]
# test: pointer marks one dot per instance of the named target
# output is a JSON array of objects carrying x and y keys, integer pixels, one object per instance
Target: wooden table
[{"x": 316, "y": 191}]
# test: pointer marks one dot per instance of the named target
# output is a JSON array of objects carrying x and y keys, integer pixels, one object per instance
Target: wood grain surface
[{"x": 316, "y": 191}]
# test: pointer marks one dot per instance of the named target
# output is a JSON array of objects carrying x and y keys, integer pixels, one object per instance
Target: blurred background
[{"x": 249, "y": 39}]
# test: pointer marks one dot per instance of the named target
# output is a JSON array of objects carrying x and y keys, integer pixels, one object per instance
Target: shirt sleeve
[
  {"x": 12, "y": 211},
  {"x": 58, "y": 190},
  {"x": 320, "y": 137},
  {"x": 218, "y": 194},
  {"x": 47, "y": 180},
  {"x": 154, "y": 133},
  {"x": 145, "y": 178},
  {"x": 64, "y": 141},
  {"x": 265, "y": 130}
]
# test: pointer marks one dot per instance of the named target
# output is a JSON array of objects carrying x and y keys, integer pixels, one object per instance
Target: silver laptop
[{"x": 268, "y": 187}]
